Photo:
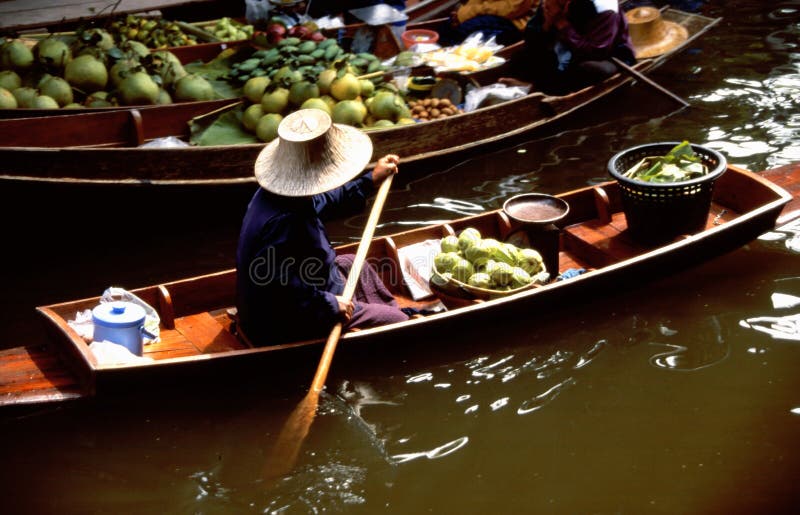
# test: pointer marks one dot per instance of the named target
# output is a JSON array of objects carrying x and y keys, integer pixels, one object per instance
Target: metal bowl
[{"x": 536, "y": 208}]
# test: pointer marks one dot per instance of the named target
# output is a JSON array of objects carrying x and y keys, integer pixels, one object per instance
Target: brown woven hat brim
[
  {"x": 304, "y": 168},
  {"x": 651, "y": 35},
  {"x": 673, "y": 36}
]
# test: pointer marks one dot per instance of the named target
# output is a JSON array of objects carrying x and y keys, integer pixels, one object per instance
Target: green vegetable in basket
[
  {"x": 680, "y": 164},
  {"x": 449, "y": 244},
  {"x": 520, "y": 278},
  {"x": 463, "y": 270},
  {"x": 468, "y": 237},
  {"x": 446, "y": 261},
  {"x": 505, "y": 253},
  {"x": 502, "y": 274},
  {"x": 480, "y": 280},
  {"x": 479, "y": 253},
  {"x": 530, "y": 261},
  {"x": 490, "y": 267}
]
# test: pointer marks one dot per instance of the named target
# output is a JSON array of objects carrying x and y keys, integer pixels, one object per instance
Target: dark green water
[{"x": 648, "y": 398}]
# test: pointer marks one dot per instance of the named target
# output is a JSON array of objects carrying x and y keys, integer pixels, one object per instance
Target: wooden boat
[
  {"x": 198, "y": 347},
  {"x": 385, "y": 45},
  {"x": 16, "y": 15},
  {"x": 30, "y": 19},
  {"x": 34, "y": 154}
]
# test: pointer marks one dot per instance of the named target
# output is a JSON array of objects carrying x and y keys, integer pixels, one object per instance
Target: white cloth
[{"x": 606, "y": 5}]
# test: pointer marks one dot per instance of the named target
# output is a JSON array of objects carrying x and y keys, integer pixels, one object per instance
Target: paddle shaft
[
  {"x": 638, "y": 75},
  {"x": 350, "y": 286}
]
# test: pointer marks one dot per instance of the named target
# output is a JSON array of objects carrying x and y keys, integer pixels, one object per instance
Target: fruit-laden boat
[
  {"x": 29, "y": 153},
  {"x": 198, "y": 346},
  {"x": 384, "y": 44},
  {"x": 16, "y": 15}
]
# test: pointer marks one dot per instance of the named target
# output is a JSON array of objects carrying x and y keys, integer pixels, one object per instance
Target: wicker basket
[
  {"x": 657, "y": 212},
  {"x": 457, "y": 288}
]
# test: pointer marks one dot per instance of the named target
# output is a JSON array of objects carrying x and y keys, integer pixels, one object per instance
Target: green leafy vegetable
[
  {"x": 680, "y": 164},
  {"x": 224, "y": 129}
]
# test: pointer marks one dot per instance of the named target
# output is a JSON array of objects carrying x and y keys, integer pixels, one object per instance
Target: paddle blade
[{"x": 283, "y": 455}]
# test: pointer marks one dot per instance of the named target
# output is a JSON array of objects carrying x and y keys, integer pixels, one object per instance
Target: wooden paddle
[
  {"x": 636, "y": 74},
  {"x": 290, "y": 440}
]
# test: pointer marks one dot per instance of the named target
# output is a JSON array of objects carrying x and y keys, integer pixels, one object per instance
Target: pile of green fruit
[
  {"x": 226, "y": 29},
  {"x": 299, "y": 56},
  {"x": 152, "y": 32},
  {"x": 93, "y": 72},
  {"x": 310, "y": 75},
  {"x": 486, "y": 264}
]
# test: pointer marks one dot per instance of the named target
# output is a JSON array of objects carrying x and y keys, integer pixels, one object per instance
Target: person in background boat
[
  {"x": 503, "y": 19},
  {"x": 289, "y": 279},
  {"x": 570, "y": 43}
]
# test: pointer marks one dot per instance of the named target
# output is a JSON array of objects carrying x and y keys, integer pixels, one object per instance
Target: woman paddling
[{"x": 289, "y": 280}]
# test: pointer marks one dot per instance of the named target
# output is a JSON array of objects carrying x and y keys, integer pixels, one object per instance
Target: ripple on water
[
  {"x": 696, "y": 351},
  {"x": 435, "y": 453}
]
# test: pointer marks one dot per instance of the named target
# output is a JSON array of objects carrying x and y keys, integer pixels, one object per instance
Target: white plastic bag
[
  {"x": 255, "y": 10},
  {"x": 329, "y": 22},
  {"x": 83, "y": 325},
  {"x": 110, "y": 353},
  {"x": 494, "y": 93},
  {"x": 165, "y": 142},
  {"x": 151, "y": 318}
]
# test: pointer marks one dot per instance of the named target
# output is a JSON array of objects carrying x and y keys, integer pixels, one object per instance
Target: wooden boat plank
[
  {"x": 33, "y": 374},
  {"x": 206, "y": 334}
]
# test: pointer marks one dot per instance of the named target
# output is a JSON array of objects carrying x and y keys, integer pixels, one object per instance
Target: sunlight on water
[
  {"x": 544, "y": 398},
  {"x": 436, "y": 453},
  {"x": 699, "y": 350}
]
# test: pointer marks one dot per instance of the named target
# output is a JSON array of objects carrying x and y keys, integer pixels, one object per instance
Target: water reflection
[
  {"x": 697, "y": 350},
  {"x": 544, "y": 398},
  {"x": 524, "y": 381},
  {"x": 788, "y": 233},
  {"x": 436, "y": 453}
]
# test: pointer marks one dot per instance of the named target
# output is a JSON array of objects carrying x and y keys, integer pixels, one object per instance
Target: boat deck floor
[{"x": 36, "y": 373}]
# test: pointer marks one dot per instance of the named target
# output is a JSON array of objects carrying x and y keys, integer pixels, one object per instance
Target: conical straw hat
[
  {"x": 311, "y": 155},
  {"x": 651, "y": 35}
]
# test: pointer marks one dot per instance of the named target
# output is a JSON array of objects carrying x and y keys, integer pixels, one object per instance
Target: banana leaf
[
  {"x": 221, "y": 128},
  {"x": 217, "y": 69},
  {"x": 679, "y": 164}
]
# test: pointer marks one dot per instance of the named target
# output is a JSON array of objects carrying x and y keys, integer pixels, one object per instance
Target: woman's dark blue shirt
[{"x": 286, "y": 282}]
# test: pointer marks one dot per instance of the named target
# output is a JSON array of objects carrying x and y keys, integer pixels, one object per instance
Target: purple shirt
[
  {"x": 605, "y": 35},
  {"x": 286, "y": 283}
]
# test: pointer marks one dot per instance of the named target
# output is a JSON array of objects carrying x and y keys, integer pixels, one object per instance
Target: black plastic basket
[{"x": 657, "y": 212}]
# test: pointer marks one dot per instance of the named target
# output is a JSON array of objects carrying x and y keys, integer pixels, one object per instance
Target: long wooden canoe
[
  {"x": 385, "y": 45},
  {"x": 197, "y": 345},
  {"x": 18, "y": 15},
  {"x": 33, "y": 154}
]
